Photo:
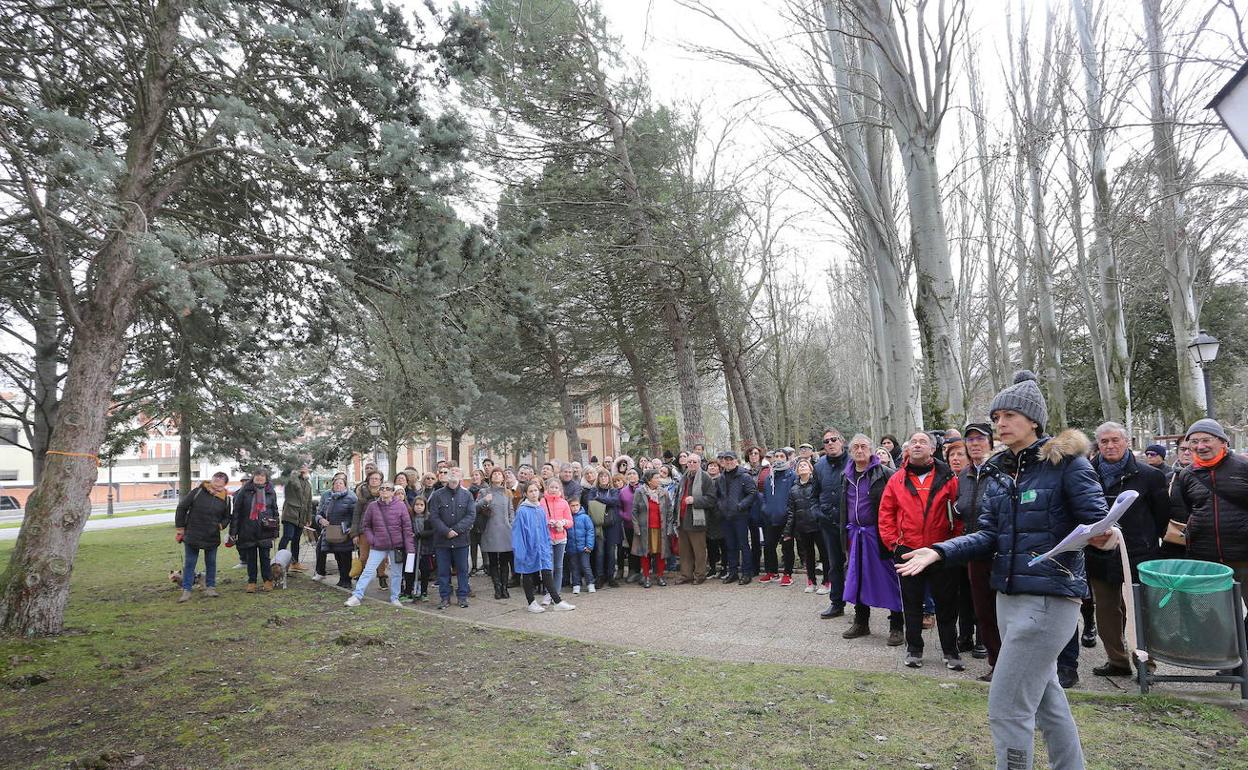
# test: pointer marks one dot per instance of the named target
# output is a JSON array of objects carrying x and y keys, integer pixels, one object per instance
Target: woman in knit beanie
[{"x": 1035, "y": 493}]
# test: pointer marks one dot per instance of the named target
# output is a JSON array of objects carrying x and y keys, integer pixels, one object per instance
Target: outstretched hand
[{"x": 914, "y": 562}]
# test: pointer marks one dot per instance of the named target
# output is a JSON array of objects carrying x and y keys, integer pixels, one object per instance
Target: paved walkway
[
  {"x": 104, "y": 522},
  {"x": 754, "y": 623}
]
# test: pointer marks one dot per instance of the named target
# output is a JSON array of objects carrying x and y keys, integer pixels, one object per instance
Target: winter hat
[
  {"x": 1207, "y": 425},
  {"x": 978, "y": 427},
  {"x": 1024, "y": 397},
  {"x": 1156, "y": 449}
]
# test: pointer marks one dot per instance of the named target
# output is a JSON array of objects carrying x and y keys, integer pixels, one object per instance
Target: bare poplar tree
[{"x": 915, "y": 82}]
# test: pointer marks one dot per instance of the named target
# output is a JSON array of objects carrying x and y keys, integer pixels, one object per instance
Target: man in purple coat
[{"x": 870, "y": 577}]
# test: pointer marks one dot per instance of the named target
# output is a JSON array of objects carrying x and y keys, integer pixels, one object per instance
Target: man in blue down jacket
[
  {"x": 775, "y": 513},
  {"x": 1036, "y": 492},
  {"x": 452, "y": 511},
  {"x": 735, "y": 492},
  {"x": 830, "y": 485}
]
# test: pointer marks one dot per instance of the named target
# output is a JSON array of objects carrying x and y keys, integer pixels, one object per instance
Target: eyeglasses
[
  {"x": 833, "y": 440},
  {"x": 387, "y": 487}
]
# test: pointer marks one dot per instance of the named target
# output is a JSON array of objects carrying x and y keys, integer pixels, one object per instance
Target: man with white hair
[{"x": 1142, "y": 527}]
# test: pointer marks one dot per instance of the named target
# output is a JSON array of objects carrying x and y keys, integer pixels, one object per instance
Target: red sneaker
[
  {"x": 787, "y": 580},
  {"x": 766, "y": 578}
]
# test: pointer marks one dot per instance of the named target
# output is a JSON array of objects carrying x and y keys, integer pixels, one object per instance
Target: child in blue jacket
[{"x": 581, "y": 547}]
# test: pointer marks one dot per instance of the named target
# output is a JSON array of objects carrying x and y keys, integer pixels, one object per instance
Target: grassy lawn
[
  {"x": 294, "y": 679},
  {"x": 104, "y": 516}
]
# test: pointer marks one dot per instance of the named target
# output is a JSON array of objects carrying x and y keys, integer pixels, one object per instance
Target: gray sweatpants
[{"x": 1025, "y": 692}]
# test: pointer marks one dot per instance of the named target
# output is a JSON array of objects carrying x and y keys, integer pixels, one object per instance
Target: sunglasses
[
  {"x": 385, "y": 487},
  {"x": 833, "y": 440}
]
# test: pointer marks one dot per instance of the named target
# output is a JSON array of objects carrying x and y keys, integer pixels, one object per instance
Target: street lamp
[
  {"x": 374, "y": 428},
  {"x": 1204, "y": 351},
  {"x": 1231, "y": 104}
]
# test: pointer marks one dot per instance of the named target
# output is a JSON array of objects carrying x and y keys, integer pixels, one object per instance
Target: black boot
[{"x": 498, "y": 587}]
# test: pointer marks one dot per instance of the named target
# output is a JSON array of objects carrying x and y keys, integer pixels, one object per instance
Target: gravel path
[{"x": 758, "y": 622}]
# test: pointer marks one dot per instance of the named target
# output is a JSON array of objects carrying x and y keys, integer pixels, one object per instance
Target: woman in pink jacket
[
  {"x": 559, "y": 518},
  {"x": 388, "y": 526}
]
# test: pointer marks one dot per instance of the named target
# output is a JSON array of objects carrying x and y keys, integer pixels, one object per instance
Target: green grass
[
  {"x": 104, "y": 516},
  {"x": 241, "y": 681}
]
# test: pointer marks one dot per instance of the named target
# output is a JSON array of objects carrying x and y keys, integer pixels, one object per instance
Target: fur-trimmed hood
[{"x": 1071, "y": 442}]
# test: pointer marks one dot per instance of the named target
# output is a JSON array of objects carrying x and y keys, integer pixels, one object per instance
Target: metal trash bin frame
[{"x": 1147, "y": 679}]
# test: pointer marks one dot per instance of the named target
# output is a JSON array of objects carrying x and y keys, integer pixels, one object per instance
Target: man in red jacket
[{"x": 916, "y": 511}]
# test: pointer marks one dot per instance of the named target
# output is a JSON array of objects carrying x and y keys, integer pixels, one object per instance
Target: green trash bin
[{"x": 1189, "y": 613}]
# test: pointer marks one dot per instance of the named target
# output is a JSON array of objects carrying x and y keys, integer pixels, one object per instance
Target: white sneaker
[
  {"x": 535, "y": 607},
  {"x": 353, "y": 602},
  {"x": 823, "y": 590},
  {"x": 317, "y": 578},
  {"x": 810, "y": 589},
  {"x": 563, "y": 605},
  {"x": 593, "y": 589},
  {"x": 576, "y": 590},
  {"x": 396, "y": 603},
  {"x": 546, "y": 600},
  {"x": 240, "y": 565}
]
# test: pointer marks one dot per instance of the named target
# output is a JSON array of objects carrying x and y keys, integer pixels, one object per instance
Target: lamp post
[
  {"x": 374, "y": 429},
  {"x": 1204, "y": 351},
  {"x": 1231, "y": 104},
  {"x": 110, "y": 486}
]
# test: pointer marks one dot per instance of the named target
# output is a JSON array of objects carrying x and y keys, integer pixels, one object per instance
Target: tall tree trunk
[
  {"x": 1177, "y": 259},
  {"x": 1091, "y": 311},
  {"x": 184, "y": 452},
  {"x": 687, "y": 380},
  {"x": 865, "y": 155},
  {"x": 916, "y": 125},
  {"x": 1026, "y": 344},
  {"x": 998, "y": 341},
  {"x": 1117, "y": 358},
  {"x": 47, "y": 343},
  {"x": 554, "y": 360},
  {"x": 732, "y": 376},
  {"x": 457, "y": 437},
  {"x": 650, "y": 423},
  {"x": 35, "y": 587},
  {"x": 1049, "y": 335},
  {"x": 674, "y": 314}
]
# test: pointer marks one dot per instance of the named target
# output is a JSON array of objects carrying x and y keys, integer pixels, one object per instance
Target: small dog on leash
[
  {"x": 175, "y": 577},
  {"x": 280, "y": 567}
]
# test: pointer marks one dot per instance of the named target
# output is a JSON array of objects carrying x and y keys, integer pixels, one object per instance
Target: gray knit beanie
[
  {"x": 1024, "y": 397},
  {"x": 1207, "y": 425}
]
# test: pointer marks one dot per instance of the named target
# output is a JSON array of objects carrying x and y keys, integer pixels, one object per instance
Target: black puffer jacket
[
  {"x": 1217, "y": 524},
  {"x": 803, "y": 517},
  {"x": 244, "y": 530},
  {"x": 337, "y": 508},
  {"x": 1142, "y": 525},
  {"x": 1030, "y": 502},
  {"x": 202, "y": 514}
]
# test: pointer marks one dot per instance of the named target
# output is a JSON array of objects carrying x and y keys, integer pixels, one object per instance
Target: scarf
[
  {"x": 208, "y": 488},
  {"x": 257, "y": 501},
  {"x": 920, "y": 470},
  {"x": 1219, "y": 457},
  {"x": 1112, "y": 473}
]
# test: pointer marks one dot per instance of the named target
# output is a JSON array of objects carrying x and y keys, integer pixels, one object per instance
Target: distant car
[
  {"x": 9, "y": 503},
  {"x": 167, "y": 494}
]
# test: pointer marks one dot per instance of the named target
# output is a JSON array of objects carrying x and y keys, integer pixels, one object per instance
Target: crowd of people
[{"x": 937, "y": 530}]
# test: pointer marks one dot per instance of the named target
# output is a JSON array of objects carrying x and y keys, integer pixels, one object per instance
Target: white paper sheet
[
  {"x": 1081, "y": 534},
  {"x": 410, "y": 564}
]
